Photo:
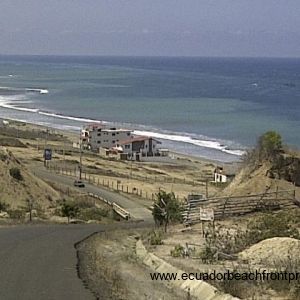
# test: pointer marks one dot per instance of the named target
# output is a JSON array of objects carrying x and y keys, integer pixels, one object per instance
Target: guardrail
[{"x": 117, "y": 208}]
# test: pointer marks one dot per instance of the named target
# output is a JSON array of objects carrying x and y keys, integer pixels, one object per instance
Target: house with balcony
[
  {"x": 98, "y": 135},
  {"x": 140, "y": 145}
]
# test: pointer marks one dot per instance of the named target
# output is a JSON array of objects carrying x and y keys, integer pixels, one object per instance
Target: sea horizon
[{"x": 208, "y": 107}]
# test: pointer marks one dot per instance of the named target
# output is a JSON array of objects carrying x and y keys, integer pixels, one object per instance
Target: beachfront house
[
  {"x": 223, "y": 176},
  {"x": 98, "y": 135},
  {"x": 141, "y": 145}
]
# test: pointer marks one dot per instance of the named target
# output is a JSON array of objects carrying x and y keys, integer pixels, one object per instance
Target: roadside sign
[
  {"x": 48, "y": 154},
  {"x": 207, "y": 214}
]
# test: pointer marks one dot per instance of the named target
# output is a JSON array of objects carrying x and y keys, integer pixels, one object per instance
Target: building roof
[
  {"x": 95, "y": 125},
  {"x": 116, "y": 130},
  {"x": 138, "y": 139},
  {"x": 226, "y": 170}
]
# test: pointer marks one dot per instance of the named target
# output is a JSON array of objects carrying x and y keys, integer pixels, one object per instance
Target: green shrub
[
  {"x": 167, "y": 209},
  {"x": 4, "y": 206},
  {"x": 178, "y": 251},
  {"x": 16, "y": 173},
  {"x": 155, "y": 238},
  {"x": 69, "y": 210},
  {"x": 208, "y": 254},
  {"x": 18, "y": 214}
]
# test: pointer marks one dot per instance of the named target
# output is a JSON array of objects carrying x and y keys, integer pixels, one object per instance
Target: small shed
[{"x": 223, "y": 175}]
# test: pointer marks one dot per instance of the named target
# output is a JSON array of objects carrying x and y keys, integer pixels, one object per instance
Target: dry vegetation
[{"x": 18, "y": 184}]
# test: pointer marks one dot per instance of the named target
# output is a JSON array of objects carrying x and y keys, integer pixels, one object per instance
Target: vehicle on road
[{"x": 79, "y": 183}]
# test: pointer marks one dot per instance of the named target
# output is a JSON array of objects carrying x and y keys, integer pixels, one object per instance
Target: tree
[
  {"x": 166, "y": 209},
  {"x": 269, "y": 145},
  {"x": 69, "y": 210}
]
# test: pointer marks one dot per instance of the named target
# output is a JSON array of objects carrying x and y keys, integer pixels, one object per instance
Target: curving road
[
  {"x": 136, "y": 208},
  {"x": 39, "y": 262}
]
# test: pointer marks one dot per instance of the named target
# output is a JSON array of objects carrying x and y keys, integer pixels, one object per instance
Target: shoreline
[{"x": 72, "y": 134}]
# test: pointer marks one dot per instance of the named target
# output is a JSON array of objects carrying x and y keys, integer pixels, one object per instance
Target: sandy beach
[{"x": 178, "y": 173}]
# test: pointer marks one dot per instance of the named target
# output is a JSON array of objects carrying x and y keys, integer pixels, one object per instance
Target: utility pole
[
  {"x": 45, "y": 145},
  {"x": 64, "y": 153},
  {"x": 80, "y": 160}
]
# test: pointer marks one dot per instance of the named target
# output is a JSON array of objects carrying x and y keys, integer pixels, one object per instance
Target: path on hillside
[{"x": 136, "y": 208}]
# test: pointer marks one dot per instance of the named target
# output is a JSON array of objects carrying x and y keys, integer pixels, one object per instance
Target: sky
[{"x": 263, "y": 28}]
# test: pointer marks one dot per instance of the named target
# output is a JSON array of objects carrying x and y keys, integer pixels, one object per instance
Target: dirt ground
[
  {"x": 178, "y": 173},
  {"x": 109, "y": 267}
]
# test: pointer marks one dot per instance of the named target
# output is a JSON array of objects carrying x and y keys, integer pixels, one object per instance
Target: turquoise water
[{"x": 207, "y": 107}]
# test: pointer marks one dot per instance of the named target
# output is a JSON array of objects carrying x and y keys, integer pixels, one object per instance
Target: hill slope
[{"x": 15, "y": 192}]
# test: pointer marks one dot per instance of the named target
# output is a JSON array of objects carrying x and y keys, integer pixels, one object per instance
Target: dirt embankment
[{"x": 110, "y": 268}]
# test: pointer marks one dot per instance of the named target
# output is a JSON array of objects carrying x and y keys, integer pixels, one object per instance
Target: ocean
[{"x": 207, "y": 107}]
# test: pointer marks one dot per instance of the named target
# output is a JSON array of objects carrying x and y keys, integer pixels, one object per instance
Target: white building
[
  {"x": 143, "y": 145},
  {"x": 95, "y": 136},
  {"x": 223, "y": 176}
]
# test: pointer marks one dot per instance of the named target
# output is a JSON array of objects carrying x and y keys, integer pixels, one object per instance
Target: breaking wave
[
  {"x": 188, "y": 139},
  {"x": 13, "y": 101}
]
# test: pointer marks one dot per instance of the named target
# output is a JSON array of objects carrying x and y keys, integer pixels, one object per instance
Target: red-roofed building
[{"x": 144, "y": 145}]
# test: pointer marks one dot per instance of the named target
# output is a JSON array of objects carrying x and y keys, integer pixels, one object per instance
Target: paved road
[
  {"x": 38, "y": 262},
  {"x": 136, "y": 209}
]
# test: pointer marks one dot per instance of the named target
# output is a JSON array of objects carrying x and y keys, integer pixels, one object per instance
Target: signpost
[
  {"x": 47, "y": 155},
  {"x": 207, "y": 214}
]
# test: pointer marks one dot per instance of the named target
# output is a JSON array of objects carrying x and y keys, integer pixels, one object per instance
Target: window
[
  {"x": 128, "y": 133},
  {"x": 113, "y": 142},
  {"x": 99, "y": 142},
  {"x": 113, "y": 134},
  {"x": 127, "y": 146},
  {"x": 99, "y": 134}
]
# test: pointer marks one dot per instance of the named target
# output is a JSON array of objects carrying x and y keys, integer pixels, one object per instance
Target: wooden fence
[
  {"x": 240, "y": 205},
  {"x": 114, "y": 185}
]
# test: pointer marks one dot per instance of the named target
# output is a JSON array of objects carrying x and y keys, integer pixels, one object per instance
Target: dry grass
[{"x": 15, "y": 192}]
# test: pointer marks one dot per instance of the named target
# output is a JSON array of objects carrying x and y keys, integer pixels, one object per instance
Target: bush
[
  {"x": 178, "y": 251},
  {"x": 283, "y": 224},
  {"x": 166, "y": 209},
  {"x": 69, "y": 210},
  {"x": 155, "y": 238},
  {"x": 209, "y": 254},
  {"x": 4, "y": 206},
  {"x": 16, "y": 173},
  {"x": 17, "y": 214}
]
